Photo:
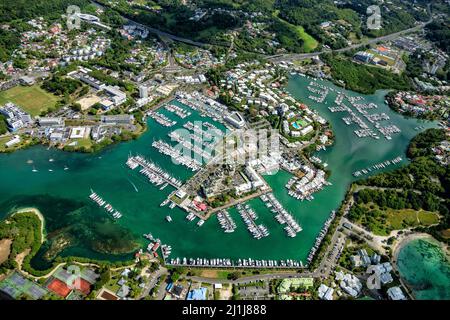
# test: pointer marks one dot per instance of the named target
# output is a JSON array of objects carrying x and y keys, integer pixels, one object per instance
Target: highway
[
  {"x": 389, "y": 37},
  {"x": 292, "y": 56}
]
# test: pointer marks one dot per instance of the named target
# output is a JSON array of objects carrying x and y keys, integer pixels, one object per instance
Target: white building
[
  {"x": 143, "y": 92},
  {"x": 13, "y": 141},
  {"x": 325, "y": 293},
  {"x": 51, "y": 121},
  {"x": 395, "y": 293},
  {"x": 236, "y": 120}
]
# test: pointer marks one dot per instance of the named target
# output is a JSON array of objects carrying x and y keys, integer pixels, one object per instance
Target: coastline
[
  {"x": 400, "y": 244},
  {"x": 39, "y": 215}
]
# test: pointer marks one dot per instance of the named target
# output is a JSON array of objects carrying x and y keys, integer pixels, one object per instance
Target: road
[
  {"x": 293, "y": 56},
  {"x": 389, "y": 37}
]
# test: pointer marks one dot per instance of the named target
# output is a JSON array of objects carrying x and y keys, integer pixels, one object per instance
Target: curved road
[{"x": 285, "y": 57}]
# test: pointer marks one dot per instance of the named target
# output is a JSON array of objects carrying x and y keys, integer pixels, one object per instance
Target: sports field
[{"x": 32, "y": 99}]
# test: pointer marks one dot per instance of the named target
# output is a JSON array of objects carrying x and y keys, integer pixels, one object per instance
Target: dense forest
[
  {"x": 425, "y": 182},
  {"x": 439, "y": 33},
  {"x": 11, "y": 10},
  {"x": 25, "y": 231},
  {"x": 362, "y": 78},
  {"x": 3, "y": 127}
]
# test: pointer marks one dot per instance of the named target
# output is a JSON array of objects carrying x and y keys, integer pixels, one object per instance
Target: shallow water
[{"x": 426, "y": 269}]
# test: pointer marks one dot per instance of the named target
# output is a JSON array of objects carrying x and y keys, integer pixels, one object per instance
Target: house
[
  {"x": 123, "y": 292},
  {"x": 177, "y": 291}
]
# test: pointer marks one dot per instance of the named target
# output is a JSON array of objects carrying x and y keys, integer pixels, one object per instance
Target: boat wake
[{"x": 134, "y": 186}]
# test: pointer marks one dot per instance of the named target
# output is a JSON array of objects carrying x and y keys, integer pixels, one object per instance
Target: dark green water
[
  {"x": 62, "y": 195},
  {"x": 426, "y": 269}
]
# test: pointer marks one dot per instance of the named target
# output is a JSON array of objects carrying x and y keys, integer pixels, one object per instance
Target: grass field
[
  {"x": 400, "y": 219},
  {"x": 309, "y": 42},
  {"x": 32, "y": 99}
]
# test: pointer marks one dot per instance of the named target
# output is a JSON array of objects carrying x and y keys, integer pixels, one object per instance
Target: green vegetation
[
  {"x": 61, "y": 86},
  {"x": 25, "y": 231},
  {"x": 424, "y": 183},
  {"x": 3, "y": 125},
  {"x": 439, "y": 33},
  {"x": 31, "y": 99},
  {"x": 381, "y": 220},
  {"x": 11, "y": 10},
  {"x": 362, "y": 78}
]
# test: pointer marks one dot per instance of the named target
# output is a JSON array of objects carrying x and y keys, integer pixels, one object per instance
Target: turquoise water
[
  {"x": 426, "y": 269},
  {"x": 62, "y": 195}
]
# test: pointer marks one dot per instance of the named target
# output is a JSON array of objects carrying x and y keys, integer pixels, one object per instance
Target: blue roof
[{"x": 197, "y": 294}]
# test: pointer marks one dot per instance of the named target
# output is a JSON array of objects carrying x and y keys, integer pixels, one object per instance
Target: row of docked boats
[
  {"x": 191, "y": 217},
  {"x": 204, "y": 105},
  {"x": 320, "y": 236},
  {"x": 176, "y": 155},
  {"x": 196, "y": 148},
  {"x": 102, "y": 204},
  {"x": 378, "y": 166},
  {"x": 180, "y": 112},
  {"x": 249, "y": 216},
  {"x": 303, "y": 188},
  {"x": 155, "y": 174},
  {"x": 166, "y": 250},
  {"x": 248, "y": 263},
  {"x": 283, "y": 217},
  {"x": 319, "y": 89},
  {"x": 161, "y": 119},
  {"x": 226, "y": 222}
]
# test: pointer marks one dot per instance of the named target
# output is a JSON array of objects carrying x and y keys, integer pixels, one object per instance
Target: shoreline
[
  {"x": 39, "y": 215},
  {"x": 404, "y": 241}
]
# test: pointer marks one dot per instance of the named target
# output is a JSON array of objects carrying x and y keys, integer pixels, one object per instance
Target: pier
[{"x": 134, "y": 162}]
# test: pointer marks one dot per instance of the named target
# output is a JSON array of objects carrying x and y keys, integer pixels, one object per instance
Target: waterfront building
[
  {"x": 13, "y": 141},
  {"x": 396, "y": 293}
]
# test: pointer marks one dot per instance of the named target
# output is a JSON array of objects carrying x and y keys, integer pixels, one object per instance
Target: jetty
[{"x": 152, "y": 171}]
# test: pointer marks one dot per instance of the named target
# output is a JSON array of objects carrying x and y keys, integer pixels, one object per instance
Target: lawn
[
  {"x": 309, "y": 42},
  {"x": 32, "y": 99},
  {"x": 391, "y": 219}
]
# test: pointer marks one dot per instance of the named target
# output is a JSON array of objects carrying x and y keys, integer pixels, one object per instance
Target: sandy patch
[
  {"x": 88, "y": 101},
  {"x": 21, "y": 256},
  {"x": 5, "y": 249},
  {"x": 209, "y": 274}
]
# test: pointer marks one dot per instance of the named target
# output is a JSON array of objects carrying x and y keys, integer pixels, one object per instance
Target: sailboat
[{"x": 34, "y": 169}]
